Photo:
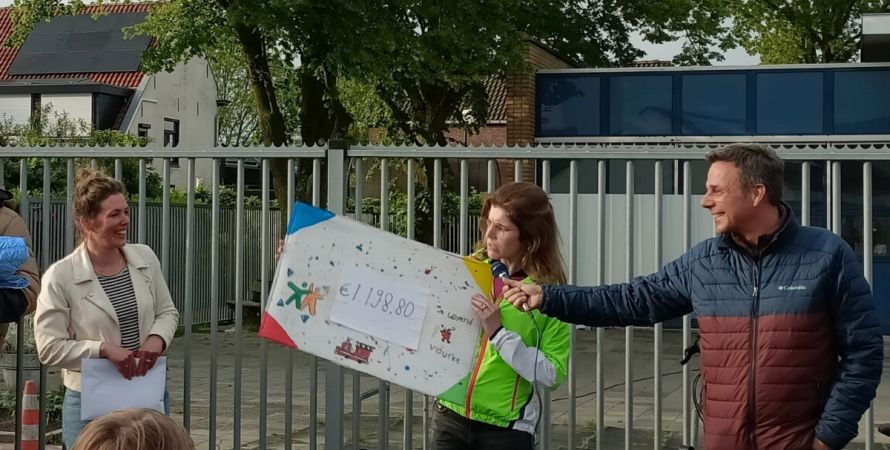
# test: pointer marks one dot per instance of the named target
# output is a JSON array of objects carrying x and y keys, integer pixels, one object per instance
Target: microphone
[{"x": 499, "y": 270}]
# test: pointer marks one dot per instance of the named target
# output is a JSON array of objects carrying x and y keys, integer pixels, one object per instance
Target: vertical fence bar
[
  {"x": 829, "y": 194},
  {"x": 657, "y": 346},
  {"x": 464, "y": 205},
  {"x": 264, "y": 292},
  {"x": 3, "y": 173},
  {"x": 517, "y": 170},
  {"x": 601, "y": 279},
  {"x": 141, "y": 219},
  {"x": 165, "y": 219},
  {"x": 836, "y": 197},
  {"x": 69, "y": 200},
  {"x": 336, "y": 184},
  {"x": 356, "y": 375},
  {"x": 384, "y": 194},
  {"x": 867, "y": 262},
  {"x": 214, "y": 294},
  {"x": 546, "y": 427},
  {"x": 545, "y": 176},
  {"x": 289, "y": 370},
  {"x": 687, "y": 320},
  {"x": 437, "y": 203},
  {"x": 313, "y": 362},
  {"x": 239, "y": 298},
  {"x": 408, "y": 432},
  {"x": 94, "y": 163},
  {"x": 572, "y": 269},
  {"x": 805, "y": 193},
  {"x": 316, "y": 182},
  {"x": 437, "y": 243},
  {"x": 492, "y": 175},
  {"x": 189, "y": 292},
  {"x": 383, "y": 386},
  {"x": 25, "y": 212},
  {"x": 118, "y": 169},
  {"x": 46, "y": 260},
  {"x": 629, "y": 331}
]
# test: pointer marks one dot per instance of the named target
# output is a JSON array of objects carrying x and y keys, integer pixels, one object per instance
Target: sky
[{"x": 666, "y": 51}]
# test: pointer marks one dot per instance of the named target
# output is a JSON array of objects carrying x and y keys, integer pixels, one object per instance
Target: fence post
[{"x": 333, "y": 405}]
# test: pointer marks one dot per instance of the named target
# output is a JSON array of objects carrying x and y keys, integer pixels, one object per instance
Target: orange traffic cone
[{"x": 30, "y": 417}]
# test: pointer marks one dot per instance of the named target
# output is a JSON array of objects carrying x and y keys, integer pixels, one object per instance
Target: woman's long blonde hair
[
  {"x": 529, "y": 208},
  {"x": 134, "y": 429}
]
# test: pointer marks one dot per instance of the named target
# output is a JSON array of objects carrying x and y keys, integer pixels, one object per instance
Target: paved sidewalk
[{"x": 585, "y": 364}]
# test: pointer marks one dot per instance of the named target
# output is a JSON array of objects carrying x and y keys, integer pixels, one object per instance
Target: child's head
[{"x": 134, "y": 429}]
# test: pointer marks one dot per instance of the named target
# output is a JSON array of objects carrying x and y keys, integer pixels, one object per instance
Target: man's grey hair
[{"x": 757, "y": 164}]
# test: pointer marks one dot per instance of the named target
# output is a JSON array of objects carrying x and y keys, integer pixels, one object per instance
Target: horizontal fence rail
[{"x": 623, "y": 209}]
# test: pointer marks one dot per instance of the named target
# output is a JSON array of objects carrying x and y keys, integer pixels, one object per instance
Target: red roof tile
[{"x": 128, "y": 80}]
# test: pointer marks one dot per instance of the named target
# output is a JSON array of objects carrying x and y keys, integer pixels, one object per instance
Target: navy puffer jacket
[{"x": 790, "y": 343}]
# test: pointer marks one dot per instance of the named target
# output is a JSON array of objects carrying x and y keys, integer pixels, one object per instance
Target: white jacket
[{"x": 74, "y": 316}]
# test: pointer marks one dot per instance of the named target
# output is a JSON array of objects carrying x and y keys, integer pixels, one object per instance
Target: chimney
[{"x": 875, "y": 38}]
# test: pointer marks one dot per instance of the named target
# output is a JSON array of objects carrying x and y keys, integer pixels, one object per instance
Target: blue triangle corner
[
  {"x": 305, "y": 215},
  {"x": 304, "y": 317}
]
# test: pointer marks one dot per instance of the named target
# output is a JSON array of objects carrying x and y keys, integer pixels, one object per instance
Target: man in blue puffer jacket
[{"x": 791, "y": 352}]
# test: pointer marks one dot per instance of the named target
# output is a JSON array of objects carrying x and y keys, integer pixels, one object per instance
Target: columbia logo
[{"x": 793, "y": 288}]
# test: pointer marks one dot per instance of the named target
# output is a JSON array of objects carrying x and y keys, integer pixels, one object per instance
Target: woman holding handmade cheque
[
  {"x": 107, "y": 299},
  {"x": 519, "y": 352}
]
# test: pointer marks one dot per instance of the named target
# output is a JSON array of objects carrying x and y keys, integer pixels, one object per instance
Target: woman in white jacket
[{"x": 107, "y": 299}]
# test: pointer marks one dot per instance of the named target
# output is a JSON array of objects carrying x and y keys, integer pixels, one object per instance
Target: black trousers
[{"x": 454, "y": 432}]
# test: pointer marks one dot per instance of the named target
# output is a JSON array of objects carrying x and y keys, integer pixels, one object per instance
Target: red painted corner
[{"x": 272, "y": 330}]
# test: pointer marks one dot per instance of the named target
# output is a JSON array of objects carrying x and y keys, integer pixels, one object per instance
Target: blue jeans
[{"x": 71, "y": 423}]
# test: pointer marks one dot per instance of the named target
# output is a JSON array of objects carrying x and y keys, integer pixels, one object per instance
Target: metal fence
[
  {"x": 226, "y": 247},
  {"x": 201, "y": 298}
]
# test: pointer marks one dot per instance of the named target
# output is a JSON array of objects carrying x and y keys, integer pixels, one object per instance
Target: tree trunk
[{"x": 269, "y": 116}]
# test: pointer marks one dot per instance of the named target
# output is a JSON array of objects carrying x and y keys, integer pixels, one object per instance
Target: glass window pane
[
  {"x": 862, "y": 102},
  {"x": 714, "y": 104},
  {"x": 640, "y": 105},
  {"x": 790, "y": 103},
  {"x": 568, "y": 105}
]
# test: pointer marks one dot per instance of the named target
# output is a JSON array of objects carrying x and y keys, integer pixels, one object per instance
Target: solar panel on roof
[{"x": 78, "y": 44}]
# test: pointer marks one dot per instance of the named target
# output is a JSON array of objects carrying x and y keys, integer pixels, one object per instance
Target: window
[
  {"x": 36, "y": 111},
  {"x": 862, "y": 102},
  {"x": 714, "y": 105},
  {"x": 568, "y": 106},
  {"x": 641, "y": 105},
  {"x": 790, "y": 103},
  {"x": 142, "y": 130},
  {"x": 171, "y": 137}
]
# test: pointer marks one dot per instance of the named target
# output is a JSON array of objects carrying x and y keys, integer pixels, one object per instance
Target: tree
[
  {"x": 237, "y": 119},
  {"x": 425, "y": 59},
  {"x": 796, "y": 31}
]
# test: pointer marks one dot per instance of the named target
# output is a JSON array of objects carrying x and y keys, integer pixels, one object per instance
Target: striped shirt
[{"x": 119, "y": 289}]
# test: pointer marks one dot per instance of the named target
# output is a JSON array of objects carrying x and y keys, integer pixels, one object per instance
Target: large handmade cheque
[{"x": 375, "y": 302}]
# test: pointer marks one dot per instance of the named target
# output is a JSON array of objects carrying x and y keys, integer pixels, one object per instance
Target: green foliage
[
  {"x": 53, "y": 402},
  {"x": 48, "y": 127},
  {"x": 794, "y": 32},
  {"x": 398, "y": 206},
  {"x": 227, "y": 198}
]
